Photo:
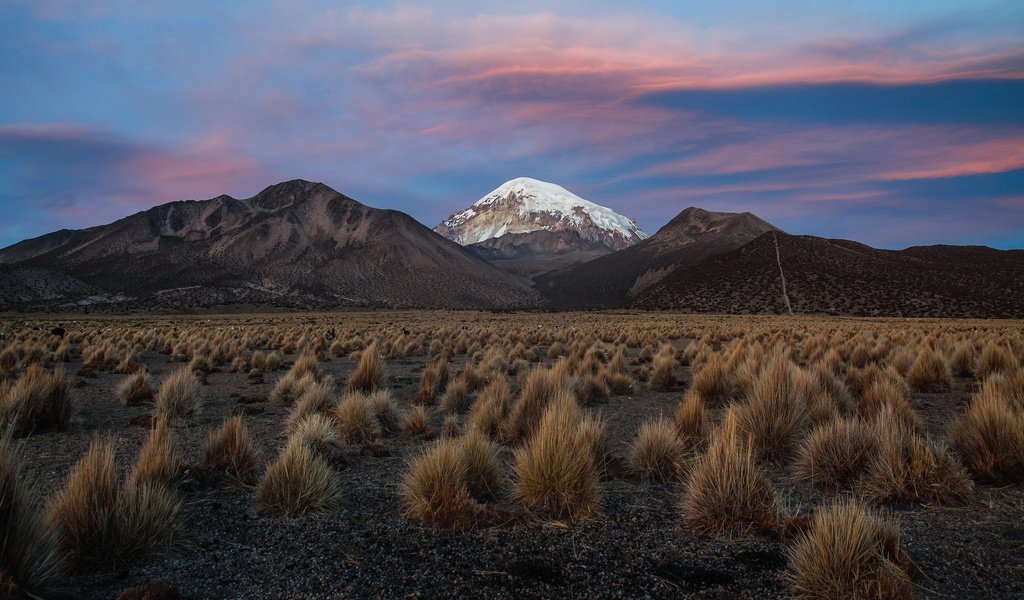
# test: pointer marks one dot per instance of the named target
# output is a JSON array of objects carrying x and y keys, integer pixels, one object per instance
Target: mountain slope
[
  {"x": 844, "y": 277},
  {"x": 611, "y": 280},
  {"x": 295, "y": 244}
]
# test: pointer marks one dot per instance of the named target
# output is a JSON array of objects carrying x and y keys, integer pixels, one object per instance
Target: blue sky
[{"x": 892, "y": 123}]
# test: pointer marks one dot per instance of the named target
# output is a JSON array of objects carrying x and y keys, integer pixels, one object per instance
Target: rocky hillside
[
  {"x": 844, "y": 277},
  {"x": 613, "y": 280},
  {"x": 296, "y": 244}
]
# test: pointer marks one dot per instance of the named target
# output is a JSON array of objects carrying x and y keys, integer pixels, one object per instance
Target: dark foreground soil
[{"x": 638, "y": 547}]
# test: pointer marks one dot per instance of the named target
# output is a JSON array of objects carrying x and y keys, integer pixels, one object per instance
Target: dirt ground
[{"x": 638, "y": 547}]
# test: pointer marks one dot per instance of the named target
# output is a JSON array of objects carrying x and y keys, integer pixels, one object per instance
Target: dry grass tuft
[
  {"x": 484, "y": 475},
  {"x": 30, "y": 562},
  {"x": 433, "y": 380},
  {"x": 369, "y": 373},
  {"x": 180, "y": 396},
  {"x": 929, "y": 373},
  {"x": 994, "y": 359},
  {"x": 836, "y": 454},
  {"x": 490, "y": 408},
  {"x": 456, "y": 398},
  {"x": 536, "y": 394},
  {"x": 385, "y": 408},
  {"x": 657, "y": 453},
  {"x": 555, "y": 471},
  {"x": 726, "y": 492},
  {"x": 84, "y": 509},
  {"x": 231, "y": 450},
  {"x": 713, "y": 381},
  {"x": 435, "y": 490},
  {"x": 907, "y": 469},
  {"x": 663, "y": 377},
  {"x": 774, "y": 416},
  {"x": 691, "y": 422},
  {"x": 299, "y": 483},
  {"x": 415, "y": 422},
  {"x": 36, "y": 400},
  {"x": 849, "y": 552},
  {"x": 989, "y": 436},
  {"x": 357, "y": 420},
  {"x": 147, "y": 517},
  {"x": 135, "y": 389},
  {"x": 157, "y": 462}
]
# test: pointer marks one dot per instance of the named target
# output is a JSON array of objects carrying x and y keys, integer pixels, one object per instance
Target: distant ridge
[{"x": 296, "y": 244}]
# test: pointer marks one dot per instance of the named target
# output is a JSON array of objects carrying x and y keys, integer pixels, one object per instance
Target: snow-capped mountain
[{"x": 526, "y": 205}]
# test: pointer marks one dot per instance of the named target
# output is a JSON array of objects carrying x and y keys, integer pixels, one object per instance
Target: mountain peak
[
  {"x": 526, "y": 205},
  {"x": 288, "y": 192}
]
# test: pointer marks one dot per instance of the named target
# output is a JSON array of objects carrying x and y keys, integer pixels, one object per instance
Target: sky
[{"x": 895, "y": 123}]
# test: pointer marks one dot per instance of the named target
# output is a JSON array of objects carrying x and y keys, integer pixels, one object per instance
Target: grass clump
[
  {"x": 774, "y": 416},
  {"x": 231, "y": 450},
  {"x": 930, "y": 372},
  {"x": 850, "y": 552},
  {"x": 298, "y": 484},
  {"x": 556, "y": 476},
  {"x": 435, "y": 488},
  {"x": 433, "y": 380},
  {"x": 369, "y": 373},
  {"x": 30, "y": 561},
  {"x": 180, "y": 396},
  {"x": 663, "y": 377},
  {"x": 37, "y": 400},
  {"x": 357, "y": 419},
  {"x": 135, "y": 389},
  {"x": 726, "y": 492},
  {"x": 836, "y": 454},
  {"x": 989, "y": 436},
  {"x": 657, "y": 453}
]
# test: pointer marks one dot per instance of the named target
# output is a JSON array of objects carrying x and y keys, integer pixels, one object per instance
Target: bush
[
  {"x": 357, "y": 422},
  {"x": 849, "y": 552},
  {"x": 989, "y": 436},
  {"x": 836, "y": 454},
  {"x": 929, "y": 373},
  {"x": 691, "y": 422},
  {"x": 30, "y": 563},
  {"x": 490, "y": 408},
  {"x": 434, "y": 489},
  {"x": 456, "y": 398},
  {"x": 36, "y": 400},
  {"x": 369, "y": 373},
  {"x": 299, "y": 483},
  {"x": 180, "y": 396},
  {"x": 555, "y": 473},
  {"x": 726, "y": 492},
  {"x": 414, "y": 421},
  {"x": 657, "y": 454},
  {"x": 157, "y": 461},
  {"x": 773, "y": 415},
  {"x": 135, "y": 390},
  {"x": 433, "y": 380},
  {"x": 231, "y": 450},
  {"x": 534, "y": 397},
  {"x": 713, "y": 381}
]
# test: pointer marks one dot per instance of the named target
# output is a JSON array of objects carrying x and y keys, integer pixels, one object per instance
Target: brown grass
[
  {"x": 369, "y": 373},
  {"x": 849, "y": 552},
  {"x": 415, "y": 422},
  {"x": 657, "y": 454},
  {"x": 536, "y": 394},
  {"x": 555, "y": 473},
  {"x": 30, "y": 562},
  {"x": 456, "y": 398},
  {"x": 994, "y": 359},
  {"x": 929, "y": 373},
  {"x": 135, "y": 390},
  {"x": 691, "y": 422},
  {"x": 157, "y": 461},
  {"x": 433, "y": 380},
  {"x": 774, "y": 416},
  {"x": 907, "y": 469},
  {"x": 230, "y": 449},
  {"x": 180, "y": 397},
  {"x": 713, "y": 381},
  {"x": 434, "y": 489},
  {"x": 147, "y": 517},
  {"x": 38, "y": 399},
  {"x": 490, "y": 408},
  {"x": 299, "y": 483},
  {"x": 385, "y": 408},
  {"x": 989, "y": 436},
  {"x": 84, "y": 509},
  {"x": 663, "y": 377},
  {"x": 837, "y": 454},
  {"x": 485, "y": 477},
  {"x": 357, "y": 421},
  {"x": 726, "y": 492}
]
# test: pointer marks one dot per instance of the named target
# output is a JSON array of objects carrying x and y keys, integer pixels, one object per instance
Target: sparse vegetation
[
  {"x": 180, "y": 397},
  {"x": 298, "y": 484}
]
